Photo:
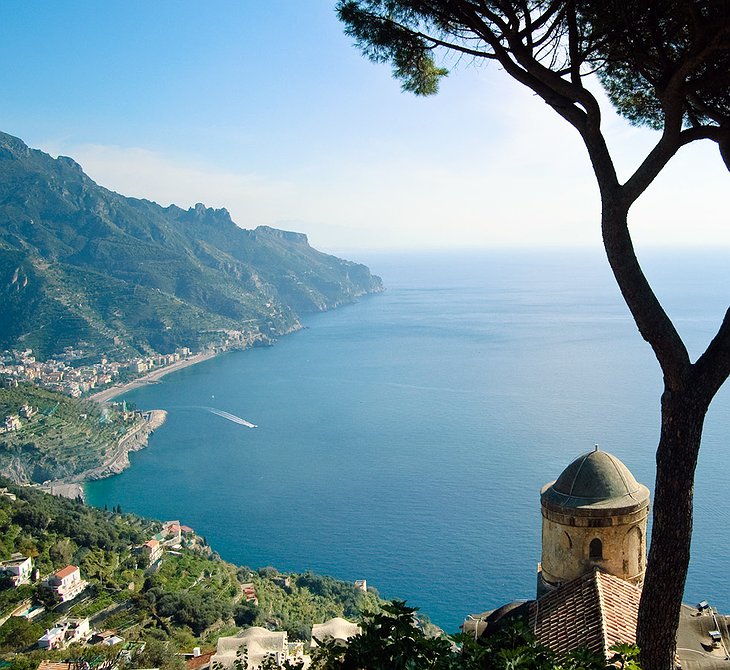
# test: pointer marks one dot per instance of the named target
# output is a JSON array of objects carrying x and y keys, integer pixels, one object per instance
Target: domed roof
[{"x": 596, "y": 480}]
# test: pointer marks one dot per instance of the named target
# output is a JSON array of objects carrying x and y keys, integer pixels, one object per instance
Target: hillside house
[
  {"x": 152, "y": 551},
  {"x": 66, "y": 583},
  {"x": 259, "y": 644},
  {"x": 26, "y": 411},
  {"x": 52, "y": 638},
  {"x": 249, "y": 593},
  {"x": 338, "y": 629},
  {"x": 18, "y": 569},
  {"x": 12, "y": 423},
  {"x": 172, "y": 533},
  {"x": 65, "y": 632},
  {"x": 77, "y": 630},
  {"x": 101, "y": 637}
]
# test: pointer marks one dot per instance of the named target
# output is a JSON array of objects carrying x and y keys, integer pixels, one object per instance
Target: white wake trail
[{"x": 231, "y": 417}]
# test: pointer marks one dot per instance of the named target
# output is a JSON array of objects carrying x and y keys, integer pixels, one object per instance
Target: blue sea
[{"x": 404, "y": 439}]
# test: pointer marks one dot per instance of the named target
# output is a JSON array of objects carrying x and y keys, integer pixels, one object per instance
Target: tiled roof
[
  {"x": 52, "y": 665},
  {"x": 198, "y": 662},
  {"x": 595, "y": 611},
  {"x": 65, "y": 572}
]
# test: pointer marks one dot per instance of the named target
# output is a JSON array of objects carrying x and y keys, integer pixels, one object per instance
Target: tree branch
[
  {"x": 653, "y": 323},
  {"x": 713, "y": 367},
  {"x": 651, "y": 166}
]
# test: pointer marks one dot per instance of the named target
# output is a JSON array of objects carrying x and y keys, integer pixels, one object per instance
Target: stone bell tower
[{"x": 593, "y": 515}]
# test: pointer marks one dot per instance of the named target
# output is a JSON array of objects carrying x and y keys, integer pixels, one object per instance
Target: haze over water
[{"x": 405, "y": 439}]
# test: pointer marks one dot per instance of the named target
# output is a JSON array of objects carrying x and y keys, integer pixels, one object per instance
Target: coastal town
[
  {"x": 61, "y": 375},
  {"x": 76, "y": 619}
]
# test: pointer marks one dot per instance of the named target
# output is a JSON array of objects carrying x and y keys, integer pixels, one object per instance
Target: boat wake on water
[{"x": 231, "y": 417}]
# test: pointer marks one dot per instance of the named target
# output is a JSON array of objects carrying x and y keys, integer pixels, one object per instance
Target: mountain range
[{"x": 83, "y": 266}]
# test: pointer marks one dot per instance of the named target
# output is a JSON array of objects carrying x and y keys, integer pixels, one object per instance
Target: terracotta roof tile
[
  {"x": 595, "y": 611},
  {"x": 65, "y": 572},
  {"x": 52, "y": 665},
  {"x": 198, "y": 662}
]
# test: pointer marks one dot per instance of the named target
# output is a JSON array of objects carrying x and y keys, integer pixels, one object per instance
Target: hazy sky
[{"x": 264, "y": 107}]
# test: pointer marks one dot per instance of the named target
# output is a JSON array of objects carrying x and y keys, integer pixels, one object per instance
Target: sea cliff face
[
  {"x": 118, "y": 460},
  {"x": 58, "y": 438},
  {"x": 126, "y": 277}
]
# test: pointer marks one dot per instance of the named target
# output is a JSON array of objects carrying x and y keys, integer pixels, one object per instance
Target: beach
[{"x": 151, "y": 377}]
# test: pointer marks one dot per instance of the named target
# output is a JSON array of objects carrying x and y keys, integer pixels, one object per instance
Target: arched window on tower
[{"x": 595, "y": 550}]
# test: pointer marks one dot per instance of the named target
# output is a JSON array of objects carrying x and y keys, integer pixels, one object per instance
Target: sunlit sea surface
[{"x": 405, "y": 439}]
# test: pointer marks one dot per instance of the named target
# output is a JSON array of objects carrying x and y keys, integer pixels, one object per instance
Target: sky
[{"x": 267, "y": 109}]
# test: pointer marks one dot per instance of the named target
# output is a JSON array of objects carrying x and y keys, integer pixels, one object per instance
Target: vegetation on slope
[
  {"x": 393, "y": 639},
  {"x": 126, "y": 276},
  {"x": 191, "y": 599},
  {"x": 64, "y": 436}
]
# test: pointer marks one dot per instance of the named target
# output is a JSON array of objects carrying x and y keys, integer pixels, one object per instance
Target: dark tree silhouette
[{"x": 663, "y": 63}]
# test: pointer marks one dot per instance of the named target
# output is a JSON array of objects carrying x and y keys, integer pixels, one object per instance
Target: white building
[
  {"x": 18, "y": 568},
  {"x": 12, "y": 423},
  {"x": 338, "y": 629},
  {"x": 53, "y": 638},
  {"x": 66, "y": 583},
  {"x": 257, "y": 644},
  {"x": 65, "y": 632}
]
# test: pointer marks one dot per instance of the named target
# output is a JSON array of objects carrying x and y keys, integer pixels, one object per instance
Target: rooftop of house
[
  {"x": 334, "y": 629},
  {"x": 199, "y": 662},
  {"x": 65, "y": 572},
  {"x": 595, "y": 611},
  {"x": 258, "y": 642},
  {"x": 15, "y": 560},
  {"x": 599, "y": 610},
  {"x": 54, "y": 665}
]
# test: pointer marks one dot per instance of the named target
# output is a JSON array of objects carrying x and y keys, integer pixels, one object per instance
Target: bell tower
[{"x": 593, "y": 515}]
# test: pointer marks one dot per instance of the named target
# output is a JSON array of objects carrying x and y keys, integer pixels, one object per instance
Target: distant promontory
[{"x": 83, "y": 268}]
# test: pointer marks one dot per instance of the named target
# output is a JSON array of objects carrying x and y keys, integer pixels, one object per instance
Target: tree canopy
[{"x": 663, "y": 64}]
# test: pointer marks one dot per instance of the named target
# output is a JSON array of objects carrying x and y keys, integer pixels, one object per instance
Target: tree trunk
[
  {"x": 682, "y": 420},
  {"x": 686, "y": 397}
]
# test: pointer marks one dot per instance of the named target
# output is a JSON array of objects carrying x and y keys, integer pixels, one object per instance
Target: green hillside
[
  {"x": 62, "y": 438},
  {"x": 80, "y": 263},
  {"x": 191, "y": 599}
]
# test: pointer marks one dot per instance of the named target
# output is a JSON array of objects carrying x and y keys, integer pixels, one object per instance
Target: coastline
[
  {"x": 136, "y": 439},
  {"x": 151, "y": 377},
  {"x": 73, "y": 487}
]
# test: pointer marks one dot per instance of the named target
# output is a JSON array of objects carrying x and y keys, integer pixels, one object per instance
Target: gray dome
[{"x": 596, "y": 480}]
